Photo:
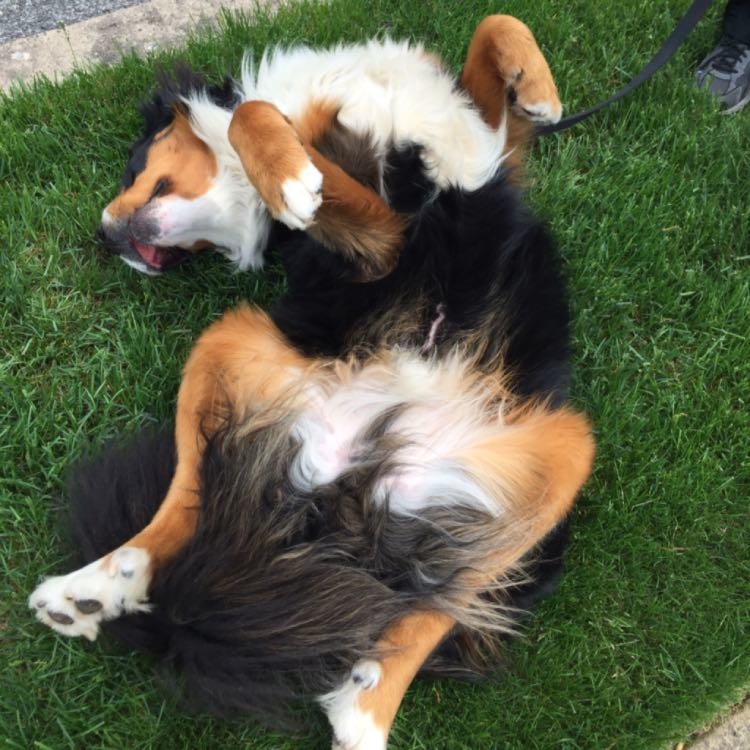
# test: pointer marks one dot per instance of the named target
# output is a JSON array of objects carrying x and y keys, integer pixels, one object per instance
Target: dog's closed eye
[{"x": 162, "y": 187}]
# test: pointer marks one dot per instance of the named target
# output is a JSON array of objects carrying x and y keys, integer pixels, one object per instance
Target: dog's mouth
[
  {"x": 143, "y": 256},
  {"x": 159, "y": 258}
]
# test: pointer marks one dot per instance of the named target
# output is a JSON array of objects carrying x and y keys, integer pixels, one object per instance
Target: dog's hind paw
[
  {"x": 354, "y": 729},
  {"x": 302, "y": 198},
  {"x": 540, "y": 107},
  {"x": 75, "y": 604},
  {"x": 521, "y": 65}
]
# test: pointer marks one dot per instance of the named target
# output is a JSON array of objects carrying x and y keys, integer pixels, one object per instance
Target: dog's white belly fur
[{"x": 434, "y": 422}]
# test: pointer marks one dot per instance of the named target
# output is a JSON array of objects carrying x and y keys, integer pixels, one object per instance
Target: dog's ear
[
  {"x": 174, "y": 86},
  {"x": 158, "y": 113}
]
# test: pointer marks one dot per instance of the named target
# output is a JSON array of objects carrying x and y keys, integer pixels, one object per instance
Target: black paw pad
[
  {"x": 88, "y": 606},
  {"x": 61, "y": 618}
]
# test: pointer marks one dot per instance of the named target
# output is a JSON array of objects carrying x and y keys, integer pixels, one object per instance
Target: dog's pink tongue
[{"x": 149, "y": 253}]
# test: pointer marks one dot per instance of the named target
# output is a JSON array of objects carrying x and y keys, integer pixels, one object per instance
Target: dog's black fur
[
  {"x": 249, "y": 632},
  {"x": 159, "y": 111},
  {"x": 482, "y": 255}
]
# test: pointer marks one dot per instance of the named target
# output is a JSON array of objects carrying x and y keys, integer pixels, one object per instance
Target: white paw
[
  {"x": 302, "y": 197},
  {"x": 541, "y": 113},
  {"x": 533, "y": 100},
  {"x": 352, "y": 728},
  {"x": 75, "y": 604}
]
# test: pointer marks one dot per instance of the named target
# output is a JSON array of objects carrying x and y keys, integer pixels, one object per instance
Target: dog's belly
[{"x": 418, "y": 417}]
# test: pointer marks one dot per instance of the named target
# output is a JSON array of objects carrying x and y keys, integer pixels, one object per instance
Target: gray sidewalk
[
  {"x": 731, "y": 732},
  {"x": 20, "y": 18},
  {"x": 147, "y": 26},
  {"x": 102, "y": 39}
]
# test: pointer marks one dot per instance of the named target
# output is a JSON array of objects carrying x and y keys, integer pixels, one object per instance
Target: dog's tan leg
[
  {"x": 242, "y": 358},
  {"x": 276, "y": 163},
  {"x": 305, "y": 190},
  {"x": 362, "y": 711},
  {"x": 535, "y": 470},
  {"x": 506, "y": 73}
]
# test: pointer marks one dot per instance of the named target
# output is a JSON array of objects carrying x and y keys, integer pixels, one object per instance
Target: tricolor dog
[{"x": 364, "y": 479}]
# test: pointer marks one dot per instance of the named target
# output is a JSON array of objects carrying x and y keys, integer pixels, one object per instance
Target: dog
[{"x": 358, "y": 477}]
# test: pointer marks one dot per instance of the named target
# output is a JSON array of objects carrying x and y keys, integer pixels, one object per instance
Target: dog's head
[{"x": 183, "y": 188}]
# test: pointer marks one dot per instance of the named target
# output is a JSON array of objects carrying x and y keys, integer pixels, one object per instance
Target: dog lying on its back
[{"x": 374, "y": 462}]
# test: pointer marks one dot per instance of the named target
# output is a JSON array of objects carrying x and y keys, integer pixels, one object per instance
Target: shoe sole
[{"x": 737, "y": 107}]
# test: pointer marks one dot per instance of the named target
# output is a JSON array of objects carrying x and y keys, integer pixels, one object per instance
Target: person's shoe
[{"x": 725, "y": 72}]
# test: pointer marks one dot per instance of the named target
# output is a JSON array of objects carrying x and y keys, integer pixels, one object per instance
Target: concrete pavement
[
  {"x": 730, "y": 732},
  {"x": 19, "y": 18},
  {"x": 145, "y": 27}
]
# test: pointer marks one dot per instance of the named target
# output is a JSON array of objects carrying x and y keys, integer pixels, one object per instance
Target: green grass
[{"x": 648, "y": 636}]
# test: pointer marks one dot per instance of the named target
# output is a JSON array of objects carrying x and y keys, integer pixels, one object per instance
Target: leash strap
[{"x": 687, "y": 23}]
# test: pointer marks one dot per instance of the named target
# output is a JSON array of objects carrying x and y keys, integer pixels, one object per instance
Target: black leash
[{"x": 687, "y": 23}]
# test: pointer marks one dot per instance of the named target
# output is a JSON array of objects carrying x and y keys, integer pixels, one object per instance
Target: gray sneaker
[{"x": 725, "y": 72}]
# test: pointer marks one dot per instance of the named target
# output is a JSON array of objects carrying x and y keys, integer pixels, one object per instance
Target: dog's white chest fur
[{"x": 393, "y": 91}]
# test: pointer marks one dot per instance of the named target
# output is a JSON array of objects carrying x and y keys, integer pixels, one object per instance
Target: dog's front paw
[
  {"x": 75, "y": 604},
  {"x": 301, "y": 198},
  {"x": 353, "y": 729}
]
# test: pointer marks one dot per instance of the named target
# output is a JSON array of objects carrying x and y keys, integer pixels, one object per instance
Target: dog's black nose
[{"x": 104, "y": 240}]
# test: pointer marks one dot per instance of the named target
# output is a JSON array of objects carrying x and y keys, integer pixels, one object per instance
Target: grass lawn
[{"x": 648, "y": 636}]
